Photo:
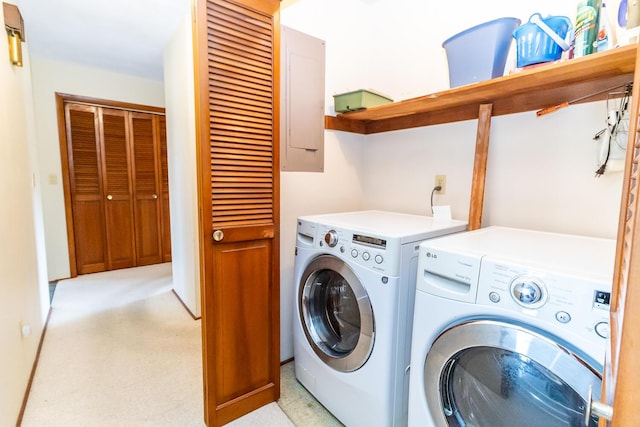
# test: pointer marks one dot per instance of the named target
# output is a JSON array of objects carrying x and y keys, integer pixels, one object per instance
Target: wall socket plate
[{"x": 441, "y": 180}]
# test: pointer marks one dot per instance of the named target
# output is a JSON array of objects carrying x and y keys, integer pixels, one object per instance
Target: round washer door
[
  {"x": 336, "y": 314},
  {"x": 491, "y": 373}
]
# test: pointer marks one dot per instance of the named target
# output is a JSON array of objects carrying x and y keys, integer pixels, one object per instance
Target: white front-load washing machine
[
  {"x": 510, "y": 328},
  {"x": 355, "y": 273}
]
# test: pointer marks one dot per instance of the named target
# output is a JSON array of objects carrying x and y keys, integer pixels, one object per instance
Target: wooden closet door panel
[
  {"x": 164, "y": 193},
  {"x": 146, "y": 184},
  {"x": 86, "y": 188},
  {"x": 118, "y": 189},
  {"x": 244, "y": 365},
  {"x": 238, "y": 76}
]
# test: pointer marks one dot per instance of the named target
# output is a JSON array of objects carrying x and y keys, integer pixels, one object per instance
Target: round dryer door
[
  {"x": 490, "y": 373},
  {"x": 336, "y": 313}
]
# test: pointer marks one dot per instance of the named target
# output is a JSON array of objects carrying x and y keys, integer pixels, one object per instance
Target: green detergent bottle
[{"x": 586, "y": 28}]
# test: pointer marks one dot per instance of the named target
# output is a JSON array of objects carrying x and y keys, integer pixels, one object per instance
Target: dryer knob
[
  {"x": 331, "y": 238},
  {"x": 527, "y": 293}
]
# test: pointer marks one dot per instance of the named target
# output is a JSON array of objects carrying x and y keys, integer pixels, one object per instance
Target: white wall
[
  {"x": 337, "y": 189},
  {"x": 540, "y": 170},
  {"x": 340, "y": 186},
  {"x": 181, "y": 153},
  {"x": 20, "y": 218},
  {"x": 49, "y": 77}
]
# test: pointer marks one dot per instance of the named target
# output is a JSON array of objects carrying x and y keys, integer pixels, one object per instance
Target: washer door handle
[{"x": 597, "y": 409}]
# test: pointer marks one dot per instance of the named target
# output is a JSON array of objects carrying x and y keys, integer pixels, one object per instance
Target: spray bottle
[{"x": 606, "y": 37}]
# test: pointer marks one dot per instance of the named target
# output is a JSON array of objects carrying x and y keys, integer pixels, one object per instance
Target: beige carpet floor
[{"x": 121, "y": 350}]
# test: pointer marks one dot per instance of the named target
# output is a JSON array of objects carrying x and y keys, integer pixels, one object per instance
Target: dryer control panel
[{"x": 576, "y": 303}]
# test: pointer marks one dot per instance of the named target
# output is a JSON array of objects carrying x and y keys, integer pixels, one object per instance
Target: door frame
[{"x": 61, "y": 100}]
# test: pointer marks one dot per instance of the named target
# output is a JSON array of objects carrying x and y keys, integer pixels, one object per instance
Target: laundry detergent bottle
[{"x": 586, "y": 28}]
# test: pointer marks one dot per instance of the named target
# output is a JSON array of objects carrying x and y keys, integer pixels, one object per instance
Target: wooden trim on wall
[
  {"x": 186, "y": 307},
  {"x": 66, "y": 183},
  {"x": 33, "y": 372},
  {"x": 480, "y": 167},
  {"x": 61, "y": 100},
  {"x": 97, "y": 102}
]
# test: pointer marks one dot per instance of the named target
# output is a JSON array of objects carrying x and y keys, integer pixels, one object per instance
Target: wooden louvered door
[
  {"x": 116, "y": 184},
  {"x": 238, "y": 93},
  {"x": 118, "y": 199},
  {"x": 85, "y": 175},
  {"x": 164, "y": 190},
  {"x": 622, "y": 375},
  {"x": 147, "y": 183}
]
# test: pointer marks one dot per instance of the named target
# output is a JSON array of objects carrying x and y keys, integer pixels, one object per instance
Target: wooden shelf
[{"x": 582, "y": 79}]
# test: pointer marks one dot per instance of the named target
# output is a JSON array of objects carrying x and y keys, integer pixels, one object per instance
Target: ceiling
[{"x": 126, "y": 36}]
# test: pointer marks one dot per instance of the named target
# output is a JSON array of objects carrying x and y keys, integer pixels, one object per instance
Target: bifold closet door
[
  {"x": 85, "y": 179},
  {"x": 118, "y": 182},
  {"x": 118, "y": 201},
  {"x": 238, "y": 94},
  {"x": 164, "y": 193},
  {"x": 147, "y": 184}
]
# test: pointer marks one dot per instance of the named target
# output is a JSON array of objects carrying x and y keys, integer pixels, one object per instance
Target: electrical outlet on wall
[{"x": 441, "y": 180}]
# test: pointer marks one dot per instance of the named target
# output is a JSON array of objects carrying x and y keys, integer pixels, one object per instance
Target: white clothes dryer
[
  {"x": 510, "y": 328},
  {"x": 356, "y": 283}
]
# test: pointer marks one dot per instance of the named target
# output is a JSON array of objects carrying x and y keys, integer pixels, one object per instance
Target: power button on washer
[
  {"x": 563, "y": 317},
  {"x": 494, "y": 297}
]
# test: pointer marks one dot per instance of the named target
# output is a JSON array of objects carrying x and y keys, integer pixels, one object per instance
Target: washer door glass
[
  {"x": 506, "y": 376},
  {"x": 336, "y": 314}
]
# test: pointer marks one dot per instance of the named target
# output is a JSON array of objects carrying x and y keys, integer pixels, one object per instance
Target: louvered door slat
[
  {"x": 255, "y": 149},
  {"x": 243, "y": 82},
  {"x": 235, "y": 93},
  {"x": 230, "y": 108},
  {"x": 237, "y": 138}
]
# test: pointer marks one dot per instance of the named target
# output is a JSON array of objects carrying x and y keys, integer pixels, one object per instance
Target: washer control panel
[
  {"x": 567, "y": 301},
  {"x": 331, "y": 238},
  {"x": 529, "y": 292},
  {"x": 377, "y": 252}
]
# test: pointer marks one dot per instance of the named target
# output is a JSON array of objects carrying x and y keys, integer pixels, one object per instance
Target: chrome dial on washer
[
  {"x": 528, "y": 292},
  {"x": 331, "y": 238}
]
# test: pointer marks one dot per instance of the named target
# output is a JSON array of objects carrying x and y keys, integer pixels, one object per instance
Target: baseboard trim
[
  {"x": 185, "y": 305},
  {"x": 284, "y": 362},
  {"x": 33, "y": 371}
]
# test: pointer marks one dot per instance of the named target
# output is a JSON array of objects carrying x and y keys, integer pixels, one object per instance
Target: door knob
[
  {"x": 109, "y": 197},
  {"x": 597, "y": 409},
  {"x": 218, "y": 235},
  {"x": 154, "y": 196}
]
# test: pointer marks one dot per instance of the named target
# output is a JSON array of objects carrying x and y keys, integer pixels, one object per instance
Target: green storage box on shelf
[{"x": 358, "y": 100}]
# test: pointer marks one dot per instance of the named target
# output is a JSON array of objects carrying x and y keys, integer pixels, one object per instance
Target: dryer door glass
[
  {"x": 336, "y": 313},
  {"x": 495, "y": 374}
]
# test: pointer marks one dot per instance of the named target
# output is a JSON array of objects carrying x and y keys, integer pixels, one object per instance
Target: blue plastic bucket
[
  {"x": 479, "y": 53},
  {"x": 535, "y": 46}
]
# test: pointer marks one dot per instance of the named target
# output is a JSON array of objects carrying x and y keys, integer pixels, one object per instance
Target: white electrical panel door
[{"x": 302, "y": 102}]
